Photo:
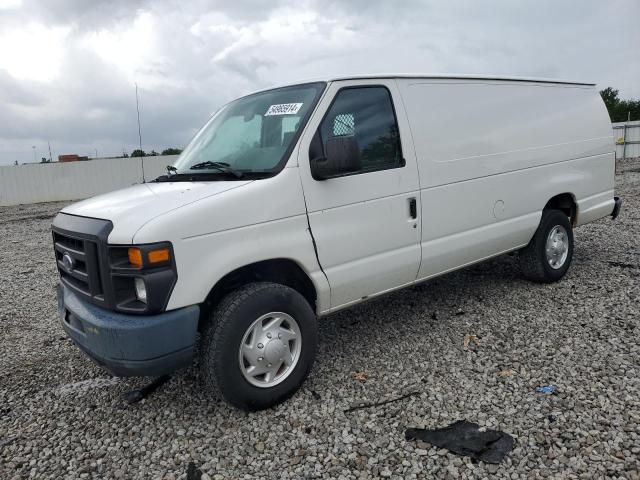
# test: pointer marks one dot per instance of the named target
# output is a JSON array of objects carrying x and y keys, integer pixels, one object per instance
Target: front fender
[{"x": 204, "y": 260}]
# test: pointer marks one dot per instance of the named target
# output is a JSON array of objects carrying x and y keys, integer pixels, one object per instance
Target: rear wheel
[
  {"x": 547, "y": 257},
  {"x": 259, "y": 346}
]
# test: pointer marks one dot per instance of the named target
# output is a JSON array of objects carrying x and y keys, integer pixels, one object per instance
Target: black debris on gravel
[{"x": 467, "y": 439}]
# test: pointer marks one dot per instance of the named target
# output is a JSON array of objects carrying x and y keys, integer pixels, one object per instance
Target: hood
[{"x": 129, "y": 209}]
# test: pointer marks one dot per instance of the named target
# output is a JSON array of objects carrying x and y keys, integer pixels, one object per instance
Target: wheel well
[
  {"x": 281, "y": 270},
  {"x": 565, "y": 203}
]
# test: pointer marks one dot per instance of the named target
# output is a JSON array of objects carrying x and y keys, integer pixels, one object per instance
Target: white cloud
[
  {"x": 10, "y": 4},
  {"x": 33, "y": 52},
  {"x": 126, "y": 48}
]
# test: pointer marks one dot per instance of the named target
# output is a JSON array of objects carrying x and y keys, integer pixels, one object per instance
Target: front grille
[
  {"x": 82, "y": 272},
  {"x": 100, "y": 272}
]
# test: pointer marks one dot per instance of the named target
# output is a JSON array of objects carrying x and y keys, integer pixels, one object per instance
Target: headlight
[
  {"x": 142, "y": 276},
  {"x": 141, "y": 290}
]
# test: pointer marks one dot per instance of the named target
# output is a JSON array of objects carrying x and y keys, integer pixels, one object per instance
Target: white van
[{"x": 296, "y": 202}]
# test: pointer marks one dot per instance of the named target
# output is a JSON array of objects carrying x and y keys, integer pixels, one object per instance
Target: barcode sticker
[{"x": 283, "y": 109}]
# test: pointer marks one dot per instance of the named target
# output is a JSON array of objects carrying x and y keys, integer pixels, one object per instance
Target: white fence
[
  {"x": 627, "y": 138},
  {"x": 49, "y": 182}
]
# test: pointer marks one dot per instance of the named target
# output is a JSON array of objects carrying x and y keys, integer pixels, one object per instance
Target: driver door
[{"x": 365, "y": 223}]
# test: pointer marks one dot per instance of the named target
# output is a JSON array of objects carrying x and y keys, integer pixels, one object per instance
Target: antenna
[{"x": 139, "y": 132}]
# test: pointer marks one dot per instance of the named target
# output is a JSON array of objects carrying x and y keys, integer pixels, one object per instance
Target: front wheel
[
  {"x": 259, "y": 345},
  {"x": 547, "y": 257}
]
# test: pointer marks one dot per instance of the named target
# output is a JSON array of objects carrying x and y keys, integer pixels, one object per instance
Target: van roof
[
  {"x": 459, "y": 76},
  {"x": 437, "y": 76}
]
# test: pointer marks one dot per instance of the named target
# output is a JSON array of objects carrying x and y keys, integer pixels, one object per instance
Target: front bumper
[{"x": 130, "y": 345}]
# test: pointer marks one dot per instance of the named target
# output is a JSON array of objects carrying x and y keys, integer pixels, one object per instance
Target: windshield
[{"x": 253, "y": 134}]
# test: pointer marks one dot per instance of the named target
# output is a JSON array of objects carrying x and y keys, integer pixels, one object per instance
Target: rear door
[{"x": 365, "y": 223}]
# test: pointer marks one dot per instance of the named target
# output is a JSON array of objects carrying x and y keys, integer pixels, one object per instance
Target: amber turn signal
[
  {"x": 159, "y": 255},
  {"x": 135, "y": 257}
]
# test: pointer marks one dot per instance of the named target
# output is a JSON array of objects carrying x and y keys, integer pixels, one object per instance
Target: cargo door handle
[{"x": 413, "y": 208}]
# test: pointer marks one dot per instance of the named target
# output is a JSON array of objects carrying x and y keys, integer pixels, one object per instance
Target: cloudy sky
[{"x": 68, "y": 67}]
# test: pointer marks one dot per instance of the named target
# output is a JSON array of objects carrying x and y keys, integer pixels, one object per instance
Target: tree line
[
  {"x": 141, "y": 153},
  {"x": 620, "y": 110}
]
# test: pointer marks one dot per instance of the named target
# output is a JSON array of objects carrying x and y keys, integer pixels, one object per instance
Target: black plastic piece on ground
[
  {"x": 134, "y": 396},
  {"x": 616, "y": 207},
  {"x": 465, "y": 438},
  {"x": 193, "y": 472}
]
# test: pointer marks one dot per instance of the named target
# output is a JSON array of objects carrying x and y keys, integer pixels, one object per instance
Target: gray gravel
[{"x": 62, "y": 417}]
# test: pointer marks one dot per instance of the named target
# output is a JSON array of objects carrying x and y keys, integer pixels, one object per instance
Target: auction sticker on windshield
[{"x": 283, "y": 109}]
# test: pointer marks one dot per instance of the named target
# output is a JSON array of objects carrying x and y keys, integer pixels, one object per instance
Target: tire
[
  {"x": 536, "y": 264},
  {"x": 222, "y": 363}
]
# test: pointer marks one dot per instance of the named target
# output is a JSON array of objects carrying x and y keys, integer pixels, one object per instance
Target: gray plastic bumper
[{"x": 130, "y": 345}]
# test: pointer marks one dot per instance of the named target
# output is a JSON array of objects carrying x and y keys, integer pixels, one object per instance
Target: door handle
[{"x": 413, "y": 208}]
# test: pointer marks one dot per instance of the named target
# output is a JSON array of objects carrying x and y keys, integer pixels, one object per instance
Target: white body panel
[
  {"x": 478, "y": 195},
  {"x": 523, "y": 143},
  {"x": 131, "y": 208}
]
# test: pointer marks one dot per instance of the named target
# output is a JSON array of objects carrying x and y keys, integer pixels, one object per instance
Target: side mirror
[{"x": 342, "y": 156}]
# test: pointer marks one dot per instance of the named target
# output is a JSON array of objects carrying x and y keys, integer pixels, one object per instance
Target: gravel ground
[{"x": 62, "y": 417}]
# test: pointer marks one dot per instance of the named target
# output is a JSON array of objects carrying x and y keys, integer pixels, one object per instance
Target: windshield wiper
[{"x": 223, "y": 167}]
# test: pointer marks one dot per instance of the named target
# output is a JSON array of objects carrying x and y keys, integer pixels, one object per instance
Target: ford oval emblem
[{"x": 67, "y": 261}]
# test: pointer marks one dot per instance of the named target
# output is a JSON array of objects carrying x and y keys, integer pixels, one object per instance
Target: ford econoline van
[{"x": 296, "y": 202}]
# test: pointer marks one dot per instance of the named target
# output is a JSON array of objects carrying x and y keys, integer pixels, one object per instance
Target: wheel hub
[
  {"x": 274, "y": 351},
  {"x": 557, "y": 247},
  {"x": 270, "y": 349}
]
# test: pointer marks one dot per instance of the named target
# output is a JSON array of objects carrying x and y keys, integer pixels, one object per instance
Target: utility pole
[
  {"x": 50, "y": 157},
  {"x": 96, "y": 152},
  {"x": 34, "y": 153},
  {"x": 139, "y": 133},
  {"x": 138, "y": 110}
]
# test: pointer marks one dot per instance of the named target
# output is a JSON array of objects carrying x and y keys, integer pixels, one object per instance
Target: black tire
[
  {"x": 221, "y": 339},
  {"x": 533, "y": 258}
]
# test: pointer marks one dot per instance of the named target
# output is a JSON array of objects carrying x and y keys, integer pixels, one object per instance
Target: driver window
[{"x": 365, "y": 113}]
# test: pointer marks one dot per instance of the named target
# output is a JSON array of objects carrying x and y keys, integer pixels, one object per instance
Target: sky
[{"x": 68, "y": 68}]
